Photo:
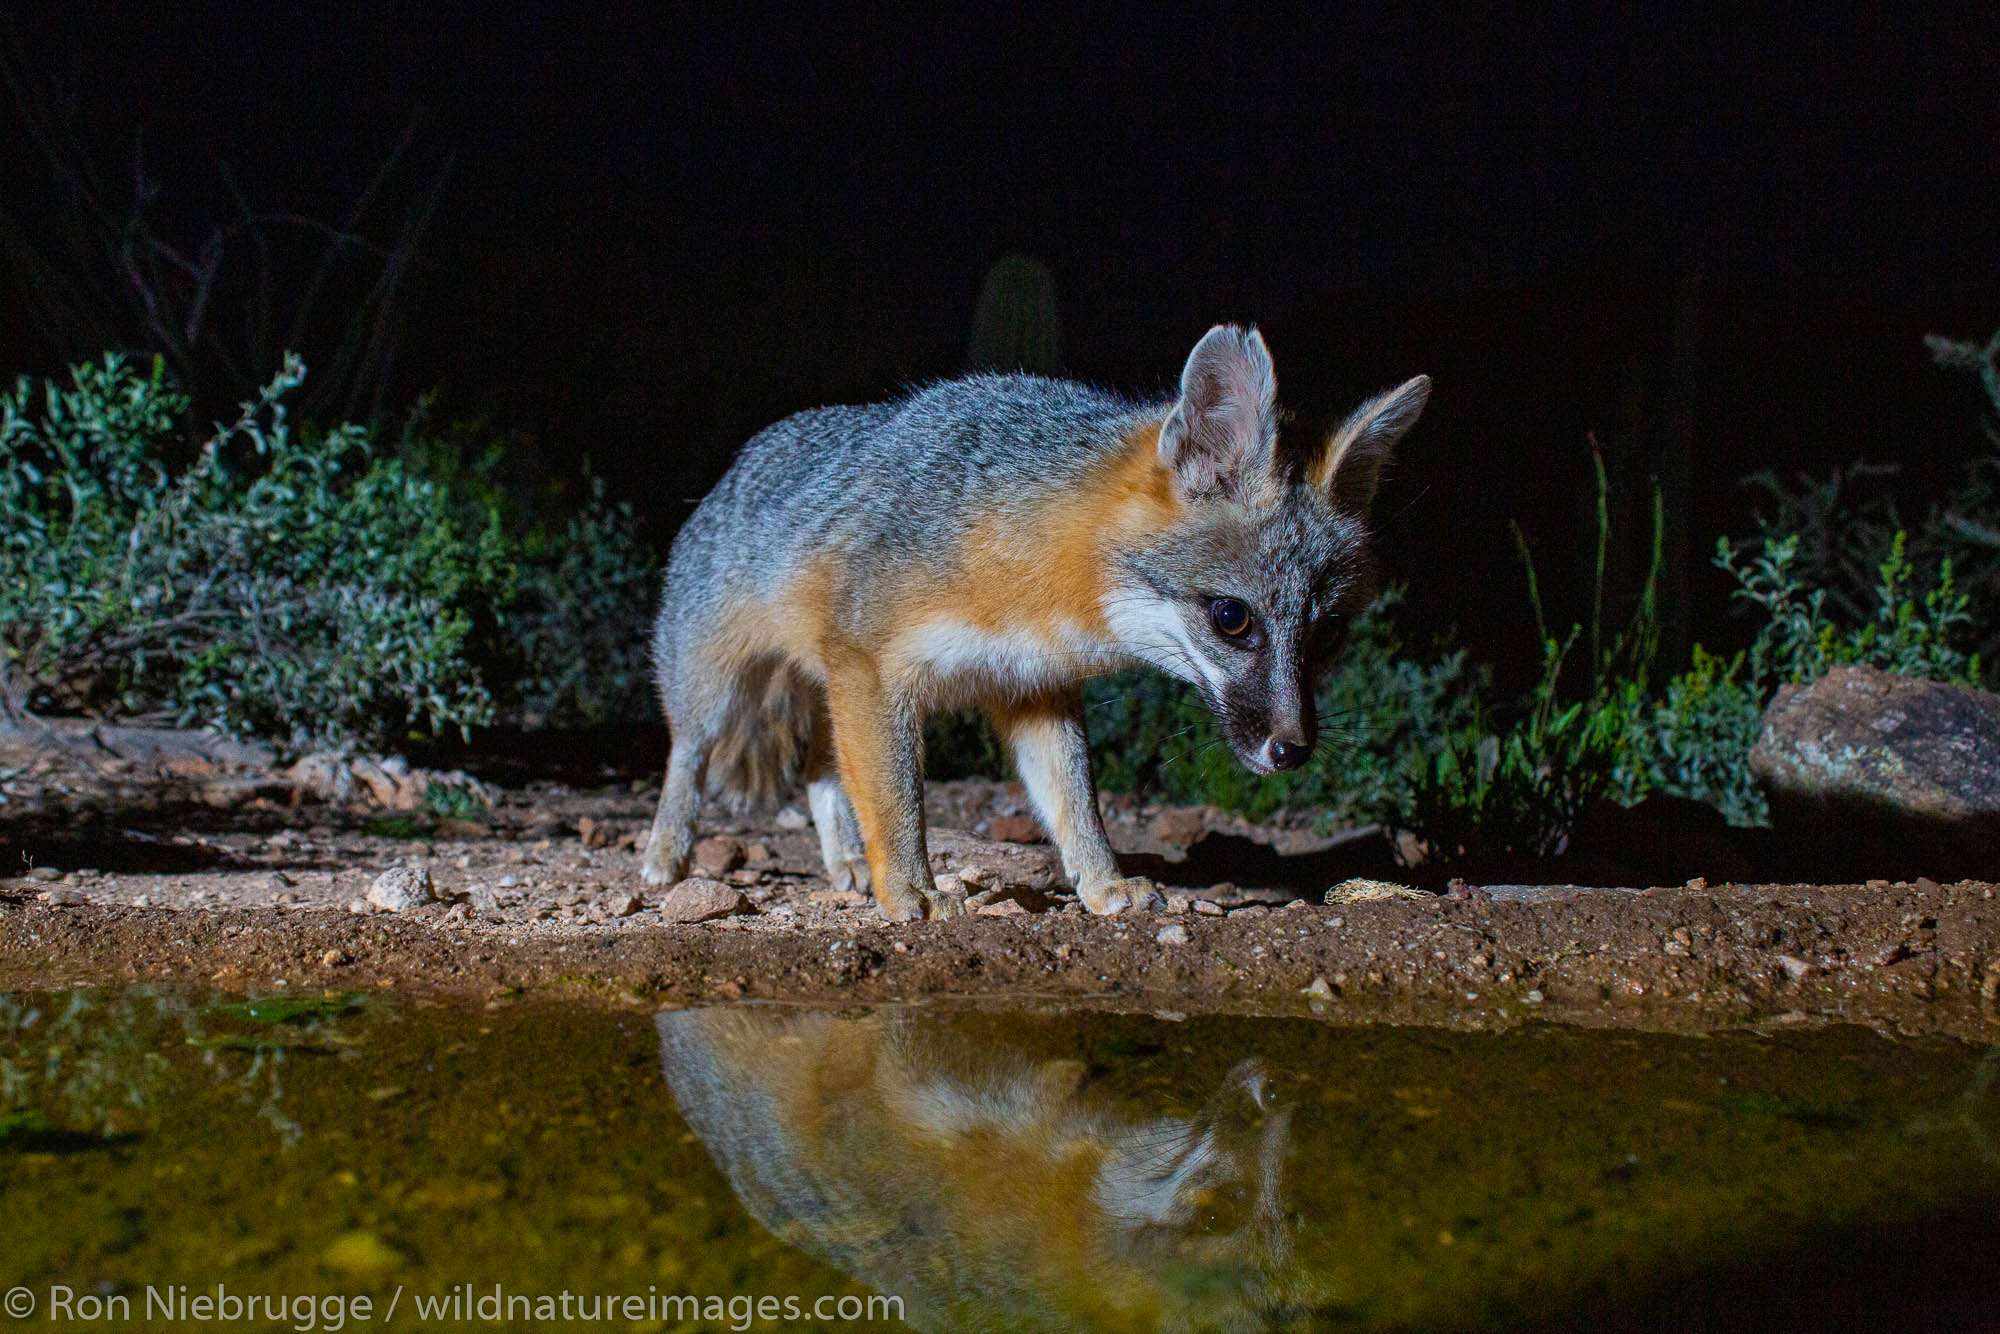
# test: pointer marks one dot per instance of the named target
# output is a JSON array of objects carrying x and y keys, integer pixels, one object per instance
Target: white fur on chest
[{"x": 959, "y": 664}]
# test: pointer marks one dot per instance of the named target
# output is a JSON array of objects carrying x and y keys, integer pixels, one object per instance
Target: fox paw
[
  {"x": 659, "y": 873},
  {"x": 850, "y": 875},
  {"x": 1115, "y": 896}
]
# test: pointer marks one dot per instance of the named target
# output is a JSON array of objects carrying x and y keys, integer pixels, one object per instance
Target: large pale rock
[
  {"x": 1870, "y": 773},
  {"x": 702, "y": 900}
]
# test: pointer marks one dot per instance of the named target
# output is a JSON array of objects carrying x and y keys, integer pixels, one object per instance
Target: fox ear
[
  {"x": 1225, "y": 425},
  {"x": 1351, "y": 467}
]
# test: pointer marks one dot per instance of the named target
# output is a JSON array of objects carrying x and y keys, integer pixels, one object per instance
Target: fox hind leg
[{"x": 695, "y": 725}]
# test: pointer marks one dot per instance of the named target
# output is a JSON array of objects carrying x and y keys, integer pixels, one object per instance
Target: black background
[{"x": 1712, "y": 236}]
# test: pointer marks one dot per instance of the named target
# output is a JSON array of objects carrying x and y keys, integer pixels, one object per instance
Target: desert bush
[
  {"x": 302, "y": 584},
  {"x": 1517, "y": 786},
  {"x": 569, "y": 646}
]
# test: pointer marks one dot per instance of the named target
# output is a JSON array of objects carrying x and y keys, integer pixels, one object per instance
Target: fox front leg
[
  {"x": 1052, "y": 755},
  {"x": 878, "y": 749}
]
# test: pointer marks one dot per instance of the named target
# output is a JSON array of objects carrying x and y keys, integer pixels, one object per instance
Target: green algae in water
[{"x": 993, "y": 1169}]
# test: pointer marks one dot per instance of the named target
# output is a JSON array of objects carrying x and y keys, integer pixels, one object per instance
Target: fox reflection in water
[{"x": 987, "y": 1190}]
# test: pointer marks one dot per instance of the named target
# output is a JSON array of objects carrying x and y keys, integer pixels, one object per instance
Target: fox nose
[{"x": 1287, "y": 754}]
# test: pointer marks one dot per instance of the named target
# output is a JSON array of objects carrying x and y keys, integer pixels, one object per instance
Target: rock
[
  {"x": 791, "y": 819},
  {"x": 389, "y": 782},
  {"x": 976, "y": 877},
  {"x": 360, "y": 907},
  {"x": 623, "y": 904},
  {"x": 717, "y": 856},
  {"x": 335, "y": 958},
  {"x": 1319, "y": 989},
  {"x": 1179, "y": 903},
  {"x": 43, "y": 873},
  {"x": 1874, "y": 774},
  {"x": 758, "y": 852},
  {"x": 592, "y": 833},
  {"x": 988, "y": 863},
  {"x": 1180, "y": 826},
  {"x": 1014, "y": 829},
  {"x": 143, "y": 901},
  {"x": 1173, "y": 933},
  {"x": 1001, "y": 908},
  {"x": 698, "y": 899},
  {"x": 1795, "y": 968},
  {"x": 839, "y": 898},
  {"x": 401, "y": 888},
  {"x": 62, "y": 898},
  {"x": 1207, "y": 908},
  {"x": 482, "y": 898}
]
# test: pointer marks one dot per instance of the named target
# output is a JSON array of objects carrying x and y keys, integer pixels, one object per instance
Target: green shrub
[
  {"x": 569, "y": 645},
  {"x": 300, "y": 584},
  {"x": 1516, "y": 790},
  {"x": 576, "y": 630},
  {"x": 284, "y": 582},
  {"x": 1695, "y": 740}
]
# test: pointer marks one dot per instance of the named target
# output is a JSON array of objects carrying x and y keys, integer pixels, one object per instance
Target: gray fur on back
[{"x": 892, "y": 482}]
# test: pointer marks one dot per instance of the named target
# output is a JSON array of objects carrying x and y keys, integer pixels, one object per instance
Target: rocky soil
[{"x": 129, "y": 858}]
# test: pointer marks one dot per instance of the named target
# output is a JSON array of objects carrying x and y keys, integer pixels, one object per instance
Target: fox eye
[{"x": 1230, "y": 617}]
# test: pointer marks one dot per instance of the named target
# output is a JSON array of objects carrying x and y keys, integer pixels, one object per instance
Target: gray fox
[{"x": 991, "y": 542}]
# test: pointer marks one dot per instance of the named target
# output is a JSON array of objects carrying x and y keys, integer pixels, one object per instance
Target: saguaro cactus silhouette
[{"x": 1015, "y": 327}]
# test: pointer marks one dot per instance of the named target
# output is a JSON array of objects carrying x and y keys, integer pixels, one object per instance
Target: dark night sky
[{"x": 663, "y": 229}]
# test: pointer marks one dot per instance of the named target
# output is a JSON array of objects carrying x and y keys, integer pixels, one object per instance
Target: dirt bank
[{"x": 186, "y": 873}]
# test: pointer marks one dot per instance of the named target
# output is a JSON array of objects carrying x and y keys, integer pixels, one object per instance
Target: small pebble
[
  {"x": 791, "y": 819},
  {"x": 360, "y": 907},
  {"x": 717, "y": 855},
  {"x": 1173, "y": 933},
  {"x": 1534, "y": 997},
  {"x": 62, "y": 898},
  {"x": 1205, "y": 908},
  {"x": 44, "y": 873},
  {"x": 1319, "y": 989},
  {"x": 142, "y": 901},
  {"x": 334, "y": 958}
]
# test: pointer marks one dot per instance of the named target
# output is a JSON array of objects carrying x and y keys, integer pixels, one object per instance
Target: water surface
[{"x": 982, "y": 1168}]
